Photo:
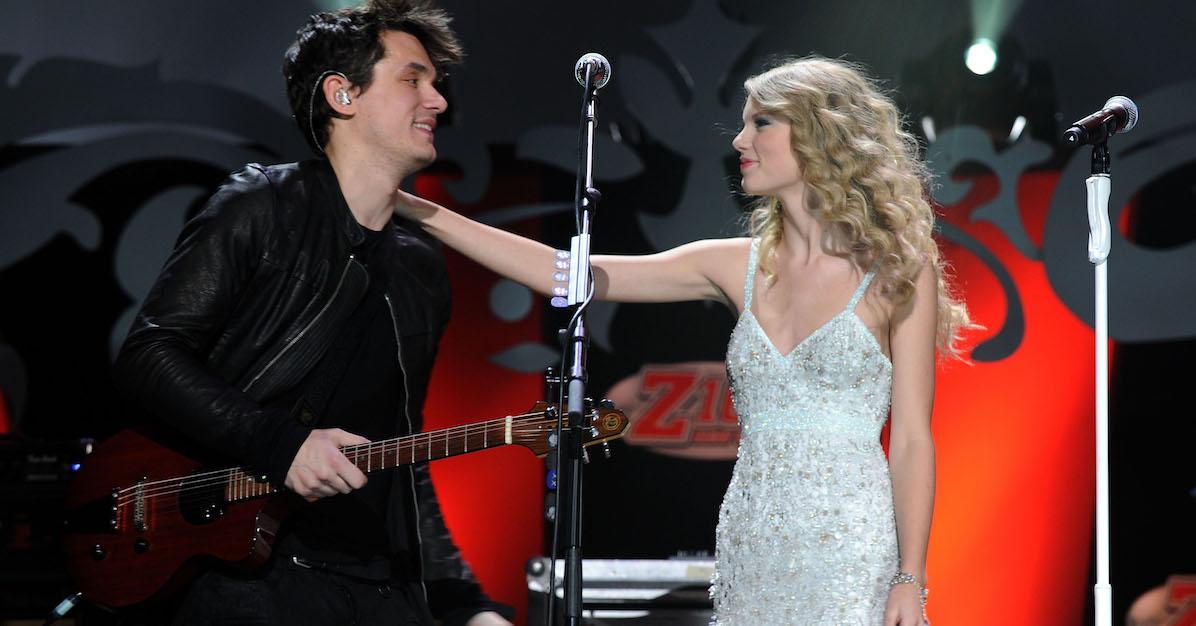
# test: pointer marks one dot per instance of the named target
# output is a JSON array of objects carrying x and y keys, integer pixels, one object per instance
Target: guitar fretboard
[
  {"x": 438, "y": 444},
  {"x": 416, "y": 448},
  {"x": 528, "y": 429}
]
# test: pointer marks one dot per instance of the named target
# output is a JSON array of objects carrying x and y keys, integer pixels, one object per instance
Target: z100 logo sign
[
  {"x": 680, "y": 409},
  {"x": 1180, "y": 598}
]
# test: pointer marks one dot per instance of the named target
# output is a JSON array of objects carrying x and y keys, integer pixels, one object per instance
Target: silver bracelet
[
  {"x": 903, "y": 578},
  {"x": 561, "y": 263},
  {"x": 906, "y": 578}
]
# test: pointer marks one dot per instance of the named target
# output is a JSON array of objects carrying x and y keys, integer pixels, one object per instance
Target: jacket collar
[{"x": 326, "y": 192}]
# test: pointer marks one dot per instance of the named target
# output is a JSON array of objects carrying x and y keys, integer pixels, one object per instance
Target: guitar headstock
[{"x": 535, "y": 429}]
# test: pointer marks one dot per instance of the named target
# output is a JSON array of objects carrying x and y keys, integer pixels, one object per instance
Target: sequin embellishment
[{"x": 806, "y": 532}]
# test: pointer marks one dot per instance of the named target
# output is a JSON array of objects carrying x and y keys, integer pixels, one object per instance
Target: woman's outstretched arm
[{"x": 704, "y": 270}]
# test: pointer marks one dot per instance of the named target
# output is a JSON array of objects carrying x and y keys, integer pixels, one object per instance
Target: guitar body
[
  {"x": 143, "y": 516},
  {"x": 120, "y": 556}
]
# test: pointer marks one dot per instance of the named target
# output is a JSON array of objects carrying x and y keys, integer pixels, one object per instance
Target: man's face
[{"x": 396, "y": 115}]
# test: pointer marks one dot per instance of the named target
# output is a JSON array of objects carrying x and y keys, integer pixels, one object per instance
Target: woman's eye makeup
[{"x": 757, "y": 122}]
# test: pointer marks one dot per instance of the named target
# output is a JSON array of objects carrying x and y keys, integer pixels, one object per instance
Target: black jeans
[{"x": 291, "y": 594}]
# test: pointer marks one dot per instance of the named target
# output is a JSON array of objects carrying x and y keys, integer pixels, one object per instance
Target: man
[{"x": 296, "y": 316}]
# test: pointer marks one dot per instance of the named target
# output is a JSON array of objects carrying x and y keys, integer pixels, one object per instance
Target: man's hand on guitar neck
[{"x": 320, "y": 469}]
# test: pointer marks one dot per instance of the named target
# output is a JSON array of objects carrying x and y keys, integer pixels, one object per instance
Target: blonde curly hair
[{"x": 865, "y": 181}]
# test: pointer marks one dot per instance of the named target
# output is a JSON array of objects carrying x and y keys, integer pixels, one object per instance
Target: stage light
[
  {"x": 938, "y": 92},
  {"x": 928, "y": 128},
  {"x": 1015, "y": 132},
  {"x": 981, "y": 56}
]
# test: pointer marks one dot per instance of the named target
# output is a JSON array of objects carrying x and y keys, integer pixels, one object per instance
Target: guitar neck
[
  {"x": 399, "y": 451},
  {"x": 429, "y": 446}
]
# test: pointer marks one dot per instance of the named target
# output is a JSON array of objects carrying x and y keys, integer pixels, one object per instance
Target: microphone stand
[
  {"x": 580, "y": 290},
  {"x": 1099, "y": 238}
]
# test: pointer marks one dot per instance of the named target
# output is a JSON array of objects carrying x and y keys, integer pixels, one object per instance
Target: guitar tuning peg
[
  {"x": 606, "y": 404},
  {"x": 606, "y": 449},
  {"x": 585, "y": 455},
  {"x": 594, "y": 431}
]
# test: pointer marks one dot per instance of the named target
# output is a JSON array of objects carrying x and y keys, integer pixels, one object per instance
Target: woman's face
[{"x": 766, "y": 157}]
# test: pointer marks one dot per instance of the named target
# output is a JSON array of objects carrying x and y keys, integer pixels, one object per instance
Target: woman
[{"x": 842, "y": 301}]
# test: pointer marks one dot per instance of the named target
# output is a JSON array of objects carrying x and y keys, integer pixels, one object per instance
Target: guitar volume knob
[{"x": 97, "y": 552}]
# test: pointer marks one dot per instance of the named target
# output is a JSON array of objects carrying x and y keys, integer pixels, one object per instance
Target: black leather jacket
[{"x": 256, "y": 289}]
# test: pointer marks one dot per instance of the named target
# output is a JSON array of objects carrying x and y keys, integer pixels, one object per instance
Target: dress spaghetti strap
[
  {"x": 751, "y": 275},
  {"x": 859, "y": 291}
]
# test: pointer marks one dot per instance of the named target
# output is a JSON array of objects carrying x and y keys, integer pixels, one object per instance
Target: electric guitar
[{"x": 143, "y": 519}]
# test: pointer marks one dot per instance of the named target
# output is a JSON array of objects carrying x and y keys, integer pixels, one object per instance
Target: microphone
[
  {"x": 1120, "y": 115},
  {"x": 600, "y": 73}
]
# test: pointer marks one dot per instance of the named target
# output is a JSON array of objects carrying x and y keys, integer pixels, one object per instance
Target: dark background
[{"x": 117, "y": 120}]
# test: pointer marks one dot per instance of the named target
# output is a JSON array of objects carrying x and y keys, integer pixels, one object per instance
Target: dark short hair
[{"x": 349, "y": 42}]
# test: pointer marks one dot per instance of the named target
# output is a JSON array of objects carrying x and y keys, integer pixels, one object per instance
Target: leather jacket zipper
[
  {"x": 394, "y": 322},
  {"x": 340, "y": 283}
]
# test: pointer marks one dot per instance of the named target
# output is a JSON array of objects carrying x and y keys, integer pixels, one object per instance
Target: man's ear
[{"x": 338, "y": 94}]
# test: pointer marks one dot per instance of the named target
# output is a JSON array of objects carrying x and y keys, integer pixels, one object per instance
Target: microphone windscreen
[
  {"x": 1131, "y": 111},
  {"x": 601, "y": 74}
]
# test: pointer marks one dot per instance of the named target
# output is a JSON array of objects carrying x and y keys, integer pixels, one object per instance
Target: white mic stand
[
  {"x": 1099, "y": 237},
  {"x": 1119, "y": 115}
]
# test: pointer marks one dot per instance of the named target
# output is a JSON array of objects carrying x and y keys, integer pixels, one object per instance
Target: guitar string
[
  {"x": 230, "y": 477},
  {"x": 399, "y": 445},
  {"x": 187, "y": 495},
  {"x": 223, "y": 472},
  {"x": 229, "y": 492},
  {"x": 402, "y": 444}
]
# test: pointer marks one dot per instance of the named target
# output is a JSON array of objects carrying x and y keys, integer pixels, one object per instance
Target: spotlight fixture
[
  {"x": 1014, "y": 100},
  {"x": 981, "y": 56}
]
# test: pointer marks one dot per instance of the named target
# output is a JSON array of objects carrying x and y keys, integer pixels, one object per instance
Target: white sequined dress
[{"x": 806, "y": 534}]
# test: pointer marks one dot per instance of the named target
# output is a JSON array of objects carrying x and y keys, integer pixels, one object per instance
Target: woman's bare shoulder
[{"x": 724, "y": 262}]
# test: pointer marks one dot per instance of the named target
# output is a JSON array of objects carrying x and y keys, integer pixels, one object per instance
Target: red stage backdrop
[
  {"x": 493, "y": 500},
  {"x": 1013, "y": 517},
  {"x": 1016, "y": 443}
]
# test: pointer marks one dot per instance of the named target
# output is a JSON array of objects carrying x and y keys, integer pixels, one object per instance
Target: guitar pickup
[{"x": 140, "y": 512}]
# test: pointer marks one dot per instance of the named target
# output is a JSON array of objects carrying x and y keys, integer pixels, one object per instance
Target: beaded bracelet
[
  {"x": 903, "y": 578},
  {"x": 906, "y": 578},
  {"x": 560, "y": 277}
]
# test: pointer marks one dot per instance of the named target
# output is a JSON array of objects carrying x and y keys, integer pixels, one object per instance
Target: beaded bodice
[
  {"x": 836, "y": 379},
  {"x": 806, "y": 533}
]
